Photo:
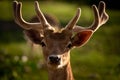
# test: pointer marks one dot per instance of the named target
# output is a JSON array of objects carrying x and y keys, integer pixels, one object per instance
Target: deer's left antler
[{"x": 101, "y": 17}]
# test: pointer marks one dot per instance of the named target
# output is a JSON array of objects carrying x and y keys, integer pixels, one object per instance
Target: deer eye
[
  {"x": 42, "y": 44},
  {"x": 69, "y": 45}
]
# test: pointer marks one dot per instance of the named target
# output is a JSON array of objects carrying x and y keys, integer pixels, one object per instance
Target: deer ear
[
  {"x": 81, "y": 38},
  {"x": 34, "y": 36}
]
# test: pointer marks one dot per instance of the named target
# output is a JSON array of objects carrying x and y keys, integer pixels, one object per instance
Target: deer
[{"x": 57, "y": 43}]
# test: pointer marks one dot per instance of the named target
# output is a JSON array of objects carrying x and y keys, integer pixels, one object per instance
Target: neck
[{"x": 64, "y": 73}]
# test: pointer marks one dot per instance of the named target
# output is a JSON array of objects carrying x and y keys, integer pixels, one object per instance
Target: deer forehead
[
  {"x": 61, "y": 36},
  {"x": 56, "y": 40}
]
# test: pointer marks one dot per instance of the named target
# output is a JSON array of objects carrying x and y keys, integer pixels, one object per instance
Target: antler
[
  {"x": 75, "y": 19},
  {"x": 17, "y": 6},
  {"x": 101, "y": 17},
  {"x": 41, "y": 17}
]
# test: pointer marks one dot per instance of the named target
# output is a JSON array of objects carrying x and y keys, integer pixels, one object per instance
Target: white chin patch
[{"x": 61, "y": 65}]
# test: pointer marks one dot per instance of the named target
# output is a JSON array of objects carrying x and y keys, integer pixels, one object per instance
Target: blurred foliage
[
  {"x": 99, "y": 59},
  {"x": 111, "y": 4},
  {"x": 17, "y": 67}
]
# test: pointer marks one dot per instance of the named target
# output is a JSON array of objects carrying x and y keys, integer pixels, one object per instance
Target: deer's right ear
[
  {"x": 81, "y": 38},
  {"x": 34, "y": 36}
]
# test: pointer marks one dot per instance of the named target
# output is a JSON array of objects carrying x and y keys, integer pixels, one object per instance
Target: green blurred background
[{"x": 99, "y": 59}]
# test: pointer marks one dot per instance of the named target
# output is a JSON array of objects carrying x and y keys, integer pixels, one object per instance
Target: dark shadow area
[{"x": 9, "y": 32}]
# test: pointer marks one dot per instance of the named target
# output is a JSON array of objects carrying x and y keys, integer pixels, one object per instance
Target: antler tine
[
  {"x": 15, "y": 3},
  {"x": 17, "y": 6},
  {"x": 75, "y": 19},
  {"x": 101, "y": 17},
  {"x": 41, "y": 16},
  {"x": 97, "y": 19},
  {"x": 101, "y": 8},
  {"x": 104, "y": 16}
]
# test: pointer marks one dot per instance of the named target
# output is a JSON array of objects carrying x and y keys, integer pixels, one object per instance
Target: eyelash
[
  {"x": 42, "y": 43},
  {"x": 69, "y": 45}
]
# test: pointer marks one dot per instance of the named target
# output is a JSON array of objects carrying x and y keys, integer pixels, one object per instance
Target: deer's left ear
[{"x": 81, "y": 38}]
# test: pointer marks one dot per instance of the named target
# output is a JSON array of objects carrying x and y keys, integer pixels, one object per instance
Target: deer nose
[{"x": 54, "y": 59}]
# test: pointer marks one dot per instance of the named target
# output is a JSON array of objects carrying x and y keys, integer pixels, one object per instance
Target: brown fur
[{"x": 58, "y": 43}]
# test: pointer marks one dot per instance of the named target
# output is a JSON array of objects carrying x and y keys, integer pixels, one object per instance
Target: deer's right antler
[
  {"x": 41, "y": 17},
  {"x": 20, "y": 21}
]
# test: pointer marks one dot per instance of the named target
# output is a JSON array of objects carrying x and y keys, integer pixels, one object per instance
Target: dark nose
[{"x": 54, "y": 59}]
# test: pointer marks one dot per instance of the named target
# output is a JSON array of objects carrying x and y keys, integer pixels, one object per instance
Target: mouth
[{"x": 54, "y": 65}]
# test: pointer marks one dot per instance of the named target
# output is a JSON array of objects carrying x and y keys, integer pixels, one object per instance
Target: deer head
[{"x": 56, "y": 44}]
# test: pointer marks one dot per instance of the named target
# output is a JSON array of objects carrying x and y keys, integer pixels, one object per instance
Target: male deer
[{"x": 56, "y": 43}]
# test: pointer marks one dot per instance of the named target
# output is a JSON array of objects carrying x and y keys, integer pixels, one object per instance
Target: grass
[{"x": 99, "y": 59}]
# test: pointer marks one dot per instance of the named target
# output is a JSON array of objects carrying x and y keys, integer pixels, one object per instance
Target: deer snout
[{"x": 54, "y": 59}]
